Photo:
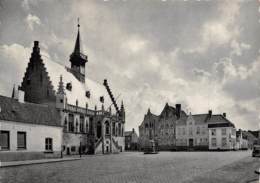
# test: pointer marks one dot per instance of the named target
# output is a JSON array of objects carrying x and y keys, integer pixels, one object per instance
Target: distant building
[
  {"x": 241, "y": 140},
  {"x": 222, "y": 133},
  {"x": 131, "y": 140},
  {"x": 252, "y": 137},
  {"x": 173, "y": 129},
  {"x": 147, "y": 129},
  {"x": 192, "y": 132},
  {"x": 166, "y": 131},
  {"x": 28, "y": 131}
]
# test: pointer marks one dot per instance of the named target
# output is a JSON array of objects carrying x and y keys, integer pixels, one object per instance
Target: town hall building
[{"x": 90, "y": 118}]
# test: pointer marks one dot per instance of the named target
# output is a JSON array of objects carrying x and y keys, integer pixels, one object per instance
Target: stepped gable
[{"x": 12, "y": 110}]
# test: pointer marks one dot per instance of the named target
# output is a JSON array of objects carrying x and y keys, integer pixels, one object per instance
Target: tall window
[
  {"x": 107, "y": 127},
  {"x": 198, "y": 130},
  {"x": 87, "y": 126},
  {"x": 77, "y": 126},
  {"x": 213, "y": 132},
  {"x": 224, "y": 131},
  {"x": 203, "y": 130},
  {"x": 113, "y": 128},
  {"x": 190, "y": 130},
  {"x": 4, "y": 140},
  {"x": 71, "y": 122},
  {"x": 81, "y": 124},
  {"x": 214, "y": 142},
  {"x": 21, "y": 140},
  {"x": 65, "y": 124},
  {"x": 48, "y": 144},
  {"x": 224, "y": 141},
  {"x": 119, "y": 129}
]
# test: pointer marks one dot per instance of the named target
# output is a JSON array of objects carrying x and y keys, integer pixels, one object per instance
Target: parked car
[{"x": 256, "y": 151}]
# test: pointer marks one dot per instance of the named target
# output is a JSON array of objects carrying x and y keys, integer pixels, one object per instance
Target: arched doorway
[{"x": 99, "y": 129}]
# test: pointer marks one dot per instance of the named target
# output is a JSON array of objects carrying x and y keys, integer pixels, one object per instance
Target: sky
[{"x": 202, "y": 54}]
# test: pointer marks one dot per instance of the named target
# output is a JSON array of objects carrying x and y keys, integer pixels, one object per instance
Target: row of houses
[
  {"x": 58, "y": 111},
  {"x": 173, "y": 129}
]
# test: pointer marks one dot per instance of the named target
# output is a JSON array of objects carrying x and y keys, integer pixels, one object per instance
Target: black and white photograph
[{"x": 129, "y": 91}]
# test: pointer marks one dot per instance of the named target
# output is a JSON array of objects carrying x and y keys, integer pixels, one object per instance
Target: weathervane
[{"x": 78, "y": 23}]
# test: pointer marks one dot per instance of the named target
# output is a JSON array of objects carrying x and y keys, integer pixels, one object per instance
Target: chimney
[
  {"x": 133, "y": 130},
  {"x": 20, "y": 95},
  {"x": 178, "y": 110},
  {"x": 224, "y": 114},
  {"x": 210, "y": 113}
]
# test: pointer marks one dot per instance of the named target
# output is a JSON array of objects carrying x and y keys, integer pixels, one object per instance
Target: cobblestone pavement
[{"x": 135, "y": 167}]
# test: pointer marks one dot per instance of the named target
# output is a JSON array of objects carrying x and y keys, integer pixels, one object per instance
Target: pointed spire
[
  {"x": 122, "y": 106},
  {"x": 77, "y": 44},
  {"x": 148, "y": 112},
  {"x": 61, "y": 87}
]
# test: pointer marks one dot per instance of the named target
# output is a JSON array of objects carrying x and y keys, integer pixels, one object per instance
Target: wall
[
  {"x": 35, "y": 140},
  {"x": 231, "y": 139}
]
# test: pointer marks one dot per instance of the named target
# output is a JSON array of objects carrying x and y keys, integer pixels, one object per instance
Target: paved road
[{"x": 137, "y": 168}]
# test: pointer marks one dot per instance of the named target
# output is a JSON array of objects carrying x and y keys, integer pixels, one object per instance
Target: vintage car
[{"x": 256, "y": 151}]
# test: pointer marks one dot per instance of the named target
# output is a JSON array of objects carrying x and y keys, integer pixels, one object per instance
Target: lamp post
[{"x": 80, "y": 147}]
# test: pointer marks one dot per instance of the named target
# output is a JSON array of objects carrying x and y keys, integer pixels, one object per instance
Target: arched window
[
  {"x": 81, "y": 124},
  {"x": 77, "y": 125},
  {"x": 71, "y": 122},
  {"x": 99, "y": 129},
  {"x": 113, "y": 128},
  {"x": 107, "y": 127},
  {"x": 122, "y": 132},
  {"x": 65, "y": 124},
  {"x": 119, "y": 129},
  {"x": 87, "y": 126}
]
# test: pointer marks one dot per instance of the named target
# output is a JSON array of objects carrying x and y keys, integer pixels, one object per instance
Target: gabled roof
[
  {"x": 170, "y": 110},
  {"x": 249, "y": 135},
  {"x": 219, "y": 120},
  {"x": 182, "y": 121},
  {"x": 255, "y": 133},
  {"x": 79, "y": 89},
  {"x": 149, "y": 117},
  {"x": 200, "y": 118},
  {"x": 12, "y": 110}
]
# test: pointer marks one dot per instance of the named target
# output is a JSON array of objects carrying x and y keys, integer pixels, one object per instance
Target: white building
[
  {"x": 28, "y": 131},
  {"x": 222, "y": 133}
]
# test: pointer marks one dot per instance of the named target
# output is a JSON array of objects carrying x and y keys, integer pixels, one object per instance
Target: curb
[{"x": 36, "y": 162}]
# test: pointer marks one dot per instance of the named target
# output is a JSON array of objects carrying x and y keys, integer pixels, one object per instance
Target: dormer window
[
  {"x": 88, "y": 94},
  {"x": 69, "y": 86},
  {"x": 102, "y": 99}
]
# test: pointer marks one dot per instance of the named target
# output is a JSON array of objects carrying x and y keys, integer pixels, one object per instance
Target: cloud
[
  {"x": 237, "y": 48},
  {"x": 14, "y": 59},
  {"x": 32, "y": 20},
  {"x": 203, "y": 56},
  {"x": 219, "y": 31}
]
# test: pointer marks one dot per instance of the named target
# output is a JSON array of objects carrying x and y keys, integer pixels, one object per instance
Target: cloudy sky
[{"x": 202, "y": 54}]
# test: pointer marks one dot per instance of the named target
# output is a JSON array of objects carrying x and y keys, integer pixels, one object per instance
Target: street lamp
[{"x": 80, "y": 147}]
